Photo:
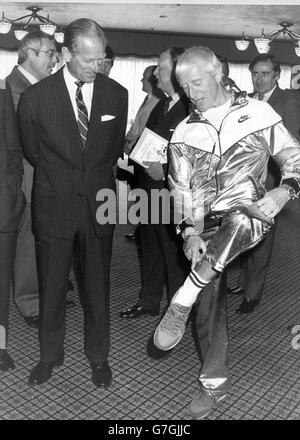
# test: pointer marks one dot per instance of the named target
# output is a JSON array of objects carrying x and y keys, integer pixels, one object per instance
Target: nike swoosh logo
[{"x": 243, "y": 118}]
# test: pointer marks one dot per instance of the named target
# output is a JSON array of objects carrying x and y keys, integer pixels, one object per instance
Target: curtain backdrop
[
  {"x": 129, "y": 72},
  {"x": 7, "y": 61},
  {"x": 242, "y": 76}
]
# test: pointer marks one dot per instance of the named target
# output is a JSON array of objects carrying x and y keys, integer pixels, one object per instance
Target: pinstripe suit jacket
[
  {"x": 64, "y": 174},
  {"x": 11, "y": 169}
]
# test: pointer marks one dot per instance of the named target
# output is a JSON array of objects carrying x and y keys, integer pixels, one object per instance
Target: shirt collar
[
  {"x": 32, "y": 79},
  {"x": 267, "y": 95},
  {"x": 175, "y": 97},
  {"x": 71, "y": 80}
]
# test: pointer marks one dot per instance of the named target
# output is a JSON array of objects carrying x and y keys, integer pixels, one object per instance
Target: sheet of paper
[{"x": 150, "y": 147}]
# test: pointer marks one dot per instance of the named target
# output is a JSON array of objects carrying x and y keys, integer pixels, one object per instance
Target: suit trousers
[
  {"x": 162, "y": 262},
  {"x": 212, "y": 337},
  {"x": 255, "y": 263},
  {"x": 54, "y": 256},
  {"x": 254, "y": 267},
  {"x": 25, "y": 279},
  {"x": 7, "y": 254}
]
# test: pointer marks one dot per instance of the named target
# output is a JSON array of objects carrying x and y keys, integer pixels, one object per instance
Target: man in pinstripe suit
[{"x": 72, "y": 126}]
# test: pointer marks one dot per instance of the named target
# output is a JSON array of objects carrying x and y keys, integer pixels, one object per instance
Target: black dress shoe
[
  {"x": 70, "y": 286},
  {"x": 247, "y": 306},
  {"x": 70, "y": 303},
  {"x": 6, "y": 361},
  {"x": 136, "y": 312},
  {"x": 236, "y": 290},
  {"x": 32, "y": 321},
  {"x": 101, "y": 375},
  {"x": 130, "y": 236},
  {"x": 41, "y": 373}
]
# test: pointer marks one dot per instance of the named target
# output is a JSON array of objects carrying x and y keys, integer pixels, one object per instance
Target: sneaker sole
[
  {"x": 194, "y": 415},
  {"x": 156, "y": 343}
]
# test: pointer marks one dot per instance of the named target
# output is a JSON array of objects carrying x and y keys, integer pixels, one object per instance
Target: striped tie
[
  {"x": 82, "y": 113},
  {"x": 167, "y": 104}
]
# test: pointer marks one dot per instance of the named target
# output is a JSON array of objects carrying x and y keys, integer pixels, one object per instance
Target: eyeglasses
[{"x": 51, "y": 53}]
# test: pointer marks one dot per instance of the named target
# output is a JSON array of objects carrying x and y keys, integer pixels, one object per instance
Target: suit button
[{"x": 79, "y": 194}]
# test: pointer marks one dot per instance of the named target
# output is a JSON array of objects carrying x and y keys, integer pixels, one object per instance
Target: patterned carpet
[{"x": 265, "y": 366}]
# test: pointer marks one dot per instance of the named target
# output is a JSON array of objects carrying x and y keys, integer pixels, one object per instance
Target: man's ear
[
  {"x": 66, "y": 54},
  {"x": 218, "y": 77},
  {"x": 31, "y": 53}
]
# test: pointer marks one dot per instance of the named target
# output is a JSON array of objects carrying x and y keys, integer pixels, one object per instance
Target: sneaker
[
  {"x": 205, "y": 403},
  {"x": 171, "y": 328}
]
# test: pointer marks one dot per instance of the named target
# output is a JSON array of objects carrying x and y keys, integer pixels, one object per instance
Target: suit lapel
[
  {"x": 20, "y": 79},
  {"x": 63, "y": 98},
  {"x": 275, "y": 99},
  {"x": 64, "y": 102},
  {"x": 101, "y": 96}
]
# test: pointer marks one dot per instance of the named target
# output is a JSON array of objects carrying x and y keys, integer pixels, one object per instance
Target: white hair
[{"x": 199, "y": 56}]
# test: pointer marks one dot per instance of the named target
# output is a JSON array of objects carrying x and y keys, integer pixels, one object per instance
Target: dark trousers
[
  {"x": 25, "y": 279},
  {"x": 162, "y": 263},
  {"x": 8, "y": 241},
  {"x": 54, "y": 256},
  {"x": 255, "y": 265}
]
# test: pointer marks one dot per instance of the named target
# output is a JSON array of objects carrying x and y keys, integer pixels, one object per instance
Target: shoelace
[{"x": 173, "y": 319}]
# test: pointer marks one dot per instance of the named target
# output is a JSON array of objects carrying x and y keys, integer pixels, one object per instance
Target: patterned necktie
[
  {"x": 167, "y": 104},
  {"x": 82, "y": 121},
  {"x": 261, "y": 96}
]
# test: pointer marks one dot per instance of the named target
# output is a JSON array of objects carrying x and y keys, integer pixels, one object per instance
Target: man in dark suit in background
[
  {"x": 265, "y": 71},
  {"x": 36, "y": 59},
  {"x": 12, "y": 203},
  {"x": 162, "y": 259},
  {"x": 72, "y": 126}
]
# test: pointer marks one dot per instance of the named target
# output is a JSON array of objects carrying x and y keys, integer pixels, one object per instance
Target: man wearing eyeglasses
[
  {"x": 72, "y": 127},
  {"x": 37, "y": 58}
]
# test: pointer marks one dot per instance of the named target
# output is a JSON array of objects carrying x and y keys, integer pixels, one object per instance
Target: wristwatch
[{"x": 291, "y": 191}]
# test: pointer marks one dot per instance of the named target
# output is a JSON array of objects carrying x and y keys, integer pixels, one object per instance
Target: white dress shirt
[
  {"x": 32, "y": 79},
  {"x": 174, "y": 98},
  {"x": 266, "y": 95},
  {"x": 87, "y": 92}
]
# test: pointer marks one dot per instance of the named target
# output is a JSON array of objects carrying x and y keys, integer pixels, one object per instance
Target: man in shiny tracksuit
[{"x": 217, "y": 172}]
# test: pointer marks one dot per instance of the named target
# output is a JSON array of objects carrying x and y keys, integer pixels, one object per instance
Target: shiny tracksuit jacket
[{"x": 219, "y": 174}]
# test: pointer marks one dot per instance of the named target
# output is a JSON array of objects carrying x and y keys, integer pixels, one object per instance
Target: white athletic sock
[
  {"x": 188, "y": 292},
  {"x": 2, "y": 337}
]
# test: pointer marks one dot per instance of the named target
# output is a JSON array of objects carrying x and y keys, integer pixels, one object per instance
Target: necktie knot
[
  {"x": 261, "y": 96},
  {"x": 79, "y": 83}
]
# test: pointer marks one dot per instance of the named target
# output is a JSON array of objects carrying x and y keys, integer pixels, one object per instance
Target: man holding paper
[{"x": 162, "y": 260}]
